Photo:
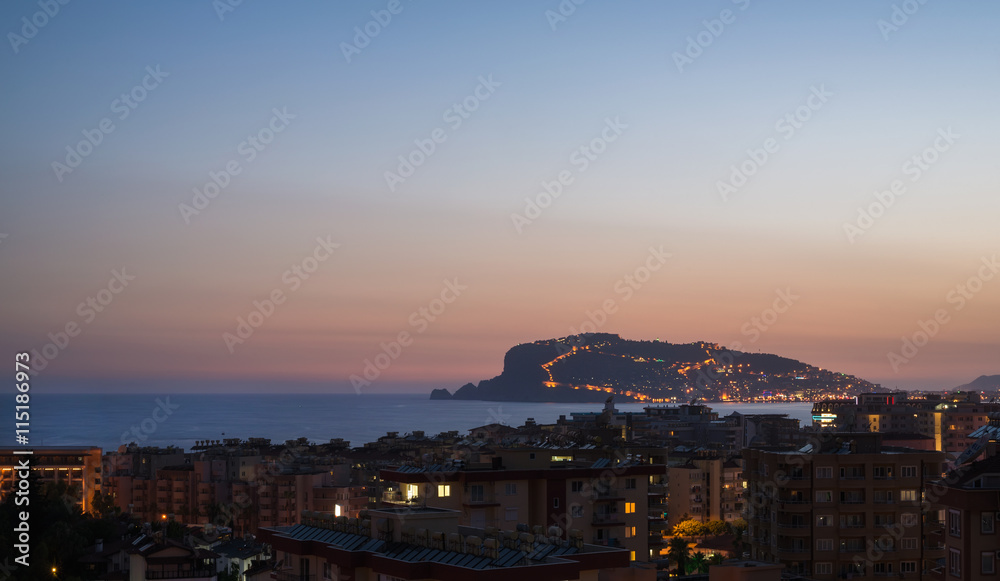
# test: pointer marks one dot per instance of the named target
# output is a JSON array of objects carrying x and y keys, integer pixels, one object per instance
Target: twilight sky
[{"x": 364, "y": 178}]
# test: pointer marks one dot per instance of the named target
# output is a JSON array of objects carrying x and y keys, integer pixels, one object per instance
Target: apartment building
[
  {"x": 842, "y": 506},
  {"x": 704, "y": 488},
  {"x": 968, "y": 512},
  {"x": 949, "y": 419},
  {"x": 430, "y": 544},
  {"x": 607, "y": 500},
  {"x": 76, "y": 466}
]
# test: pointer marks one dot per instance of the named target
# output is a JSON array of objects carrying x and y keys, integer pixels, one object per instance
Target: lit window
[
  {"x": 629, "y": 532},
  {"x": 629, "y": 507},
  {"x": 444, "y": 490},
  {"x": 907, "y": 495}
]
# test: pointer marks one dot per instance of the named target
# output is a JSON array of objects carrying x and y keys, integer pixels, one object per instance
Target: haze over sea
[{"x": 107, "y": 420}]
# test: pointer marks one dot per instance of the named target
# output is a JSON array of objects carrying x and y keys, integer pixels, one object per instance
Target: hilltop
[{"x": 590, "y": 367}]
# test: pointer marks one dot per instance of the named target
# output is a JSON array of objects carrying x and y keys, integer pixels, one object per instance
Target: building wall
[{"x": 818, "y": 514}]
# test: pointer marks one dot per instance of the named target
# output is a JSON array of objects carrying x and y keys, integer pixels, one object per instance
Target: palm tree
[
  {"x": 678, "y": 552},
  {"x": 697, "y": 564},
  {"x": 716, "y": 559}
]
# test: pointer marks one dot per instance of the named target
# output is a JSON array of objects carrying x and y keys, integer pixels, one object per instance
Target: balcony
[
  {"x": 608, "y": 495},
  {"x": 607, "y": 519},
  {"x": 597, "y": 541},
  {"x": 797, "y": 525},
  {"x": 397, "y": 497}
]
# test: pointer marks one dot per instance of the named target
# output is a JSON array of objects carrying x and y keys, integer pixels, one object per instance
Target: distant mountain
[
  {"x": 982, "y": 383},
  {"x": 590, "y": 367}
]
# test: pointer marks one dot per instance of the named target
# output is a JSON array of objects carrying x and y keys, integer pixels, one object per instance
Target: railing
[
  {"x": 853, "y": 477},
  {"x": 792, "y": 525},
  {"x": 608, "y": 494},
  {"x": 604, "y": 543},
  {"x": 606, "y": 518},
  {"x": 852, "y": 501}
]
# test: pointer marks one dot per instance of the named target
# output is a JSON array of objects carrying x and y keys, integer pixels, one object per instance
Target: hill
[
  {"x": 982, "y": 383},
  {"x": 589, "y": 368}
]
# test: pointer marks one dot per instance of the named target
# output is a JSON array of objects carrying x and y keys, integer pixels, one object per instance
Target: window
[
  {"x": 908, "y": 520},
  {"x": 531, "y": 456},
  {"x": 576, "y": 510},
  {"x": 629, "y": 507},
  {"x": 824, "y": 496},
  {"x": 882, "y": 473},
  {"x": 823, "y": 569},
  {"x": 955, "y": 523},
  {"x": 631, "y": 555},
  {"x": 562, "y": 458},
  {"x": 988, "y": 565},
  {"x": 882, "y": 568},
  {"x": 576, "y": 486},
  {"x": 327, "y": 571},
  {"x": 909, "y": 544},
  {"x": 907, "y": 566},
  {"x": 630, "y": 484},
  {"x": 555, "y": 502},
  {"x": 824, "y": 472},
  {"x": 907, "y": 495},
  {"x": 444, "y": 490},
  {"x": 986, "y": 525},
  {"x": 955, "y": 562},
  {"x": 476, "y": 493},
  {"x": 629, "y": 532},
  {"x": 824, "y": 544},
  {"x": 510, "y": 514},
  {"x": 510, "y": 489},
  {"x": 412, "y": 491},
  {"x": 908, "y": 471},
  {"x": 824, "y": 520}
]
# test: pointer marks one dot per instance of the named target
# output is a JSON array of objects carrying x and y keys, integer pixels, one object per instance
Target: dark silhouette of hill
[
  {"x": 589, "y": 368},
  {"x": 982, "y": 383}
]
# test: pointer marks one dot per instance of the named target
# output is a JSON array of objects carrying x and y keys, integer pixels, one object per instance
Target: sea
[{"x": 111, "y": 420}]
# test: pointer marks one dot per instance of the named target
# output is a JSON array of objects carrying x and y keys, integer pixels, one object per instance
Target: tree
[
  {"x": 677, "y": 551},
  {"x": 717, "y": 527},
  {"x": 716, "y": 559},
  {"x": 690, "y": 528},
  {"x": 697, "y": 564}
]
